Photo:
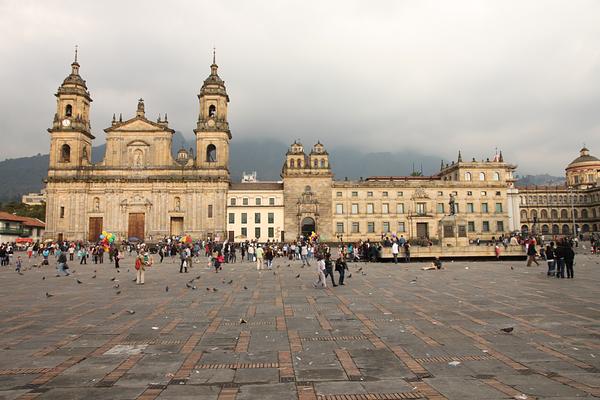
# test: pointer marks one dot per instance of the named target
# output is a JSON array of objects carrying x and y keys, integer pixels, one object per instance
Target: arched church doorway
[{"x": 308, "y": 227}]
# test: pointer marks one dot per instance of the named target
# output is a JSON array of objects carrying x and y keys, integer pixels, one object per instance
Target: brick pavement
[{"x": 395, "y": 332}]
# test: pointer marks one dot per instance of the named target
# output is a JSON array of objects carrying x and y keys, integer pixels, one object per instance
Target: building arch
[
  {"x": 584, "y": 213},
  {"x": 544, "y": 214},
  {"x": 555, "y": 229},
  {"x": 65, "y": 153},
  {"x": 211, "y": 153},
  {"x": 467, "y": 176},
  {"x": 534, "y": 214},
  {"x": 308, "y": 226},
  {"x": 585, "y": 228},
  {"x": 524, "y": 215},
  {"x": 496, "y": 176},
  {"x": 545, "y": 229},
  {"x": 565, "y": 229},
  {"x": 525, "y": 229},
  {"x": 292, "y": 163},
  {"x": 68, "y": 110},
  {"x": 482, "y": 176},
  {"x": 564, "y": 214},
  {"x": 212, "y": 110},
  {"x": 554, "y": 214}
]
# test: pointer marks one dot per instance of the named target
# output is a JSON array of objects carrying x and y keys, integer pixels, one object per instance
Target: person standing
[
  {"x": 259, "y": 257},
  {"x": 551, "y": 258},
  {"x": 117, "y": 257},
  {"x": 269, "y": 258},
  {"x": 406, "y": 251},
  {"x": 569, "y": 260},
  {"x": 395, "y": 251},
  {"x": 531, "y": 253},
  {"x": 341, "y": 267},
  {"x": 559, "y": 256},
  {"x": 304, "y": 254}
]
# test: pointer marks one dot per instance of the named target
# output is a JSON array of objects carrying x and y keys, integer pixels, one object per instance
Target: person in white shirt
[
  {"x": 320, "y": 283},
  {"x": 259, "y": 257},
  {"x": 395, "y": 252}
]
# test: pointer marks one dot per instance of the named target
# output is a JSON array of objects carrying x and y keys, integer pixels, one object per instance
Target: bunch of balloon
[
  {"x": 186, "y": 239},
  {"x": 106, "y": 239}
]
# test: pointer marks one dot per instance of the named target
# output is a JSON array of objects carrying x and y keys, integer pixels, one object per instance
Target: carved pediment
[
  {"x": 138, "y": 124},
  {"x": 420, "y": 193}
]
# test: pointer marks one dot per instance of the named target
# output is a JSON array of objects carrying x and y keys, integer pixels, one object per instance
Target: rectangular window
[
  {"x": 270, "y": 218},
  {"x": 257, "y": 218},
  {"x": 499, "y": 226},
  {"x": 271, "y": 201},
  {"x": 386, "y": 227},
  {"x": 498, "y": 207},
  {"x": 471, "y": 226},
  {"x": 484, "y": 207},
  {"x": 354, "y": 194},
  {"x": 385, "y": 208},
  {"x": 232, "y": 202},
  {"x": 369, "y": 194},
  {"x": 401, "y": 227},
  {"x": 369, "y": 208},
  {"x": 469, "y": 193},
  {"x": 210, "y": 211},
  {"x": 355, "y": 227},
  {"x": 370, "y": 227},
  {"x": 258, "y": 201},
  {"x": 339, "y": 227},
  {"x": 400, "y": 194},
  {"x": 62, "y": 212},
  {"x": 231, "y": 218},
  {"x": 384, "y": 194},
  {"x": 420, "y": 208},
  {"x": 400, "y": 208},
  {"x": 271, "y": 232},
  {"x": 470, "y": 208},
  {"x": 354, "y": 208},
  {"x": 485, "y": 227},
  {"x": 245, "y": 201},
  {"x": 484, "y": 193},
  {"x": 498, "y": 193},
  {"x": 245, "y": 231},
  {"x": 339, "y": 194},
  {"x": 244, "y": 218},
  {"x": 339, "y": 208},
  {"x": 440, "y": 194},
  {"x": 257, "y": 232},
  {"x": 440, "y": 208}
]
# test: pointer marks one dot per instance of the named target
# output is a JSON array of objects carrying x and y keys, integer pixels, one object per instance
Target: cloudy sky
[{"x": 434, "y": 76}]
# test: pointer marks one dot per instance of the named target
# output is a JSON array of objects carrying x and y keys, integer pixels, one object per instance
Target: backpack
[{"x": 138, "y": 263}]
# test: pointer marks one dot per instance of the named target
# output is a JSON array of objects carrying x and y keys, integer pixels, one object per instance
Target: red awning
[{"x": 24, "y": 240}]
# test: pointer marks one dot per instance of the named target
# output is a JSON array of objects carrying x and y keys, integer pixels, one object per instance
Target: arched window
[
  {"x": 544, "y": 214},
  {"x": 595, "y": 228},
  {"x": 545, "y": 229},
  {"x": 65, "y": 153},
  {"x": 565, "y": 229},
  {"x": 96, "y": 204},
  {"x": 482, "y": 176},
  {"x": 584, "y": 213},
  {"x": 524, "y": 229},
  {"x": 523, "y": 214},
  {"x": 554, "y": 214},
  {"x": 138, "y": 158},
  {"x": 68, "y": 110},
  {"x": 177, "y": 203},
  {"x": 316, "y": 163},
  {"x": 555, "y": 229},
  {"x": 585, "y": 228},
  {"x": 323, "y": 163},
  {"x": 299, "y": 163},
  {"x": 211, "y": 153},
  {"x": 564, "y": 214},
  {"x": 212, "y": 110},
  {"x": 292, "y": 163},
  {"x": 496, "y": 176},
  {"x": 533, "y": 214},
  {"x": 467, "y": 176}
]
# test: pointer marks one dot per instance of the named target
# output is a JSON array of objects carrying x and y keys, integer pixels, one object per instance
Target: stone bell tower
[
  {"x": 212, "y": 132},
  {"x": 70, "y": 134}
]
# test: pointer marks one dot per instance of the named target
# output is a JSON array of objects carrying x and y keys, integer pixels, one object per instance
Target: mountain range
[{"x": 265, "y": 156}]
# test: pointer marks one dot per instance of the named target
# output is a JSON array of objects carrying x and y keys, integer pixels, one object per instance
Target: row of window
[
  {"x": 401, "y": 227},
  {"x": 495, "y": 176},
  {"x": 317, "y": 163},
  {"x": 257, "y": 218},
  {"x": 420, "y": 208},
  {"x": 401, "y": 194},
  {"x": 566, "y": 199},
  {"x": 257, "y": 232},
  {"x": 246, "y": 201},
  {"x": 564, "y": 214}
]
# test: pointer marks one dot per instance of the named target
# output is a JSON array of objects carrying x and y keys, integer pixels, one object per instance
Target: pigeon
[
  {"x": 230, "y": 282},
  {"x": 43, "y": 278},
  {"x": 349, "y": 275},
  {"x": 127, "y": 269},
  {"x": 49, "y": 295},
  {"x": 166, "y": 289},
  {"x": 188, "y": 285},
  {"x": 363, "y": 273},
  {"x": 512, "y": 267},
  {"x": 507, "y": 330},
  {"x": 242, "y": 321},
  {"x": 116, "y": 286},
  {"x": 194, "y": 288},
  {"x": 208, "y": 289},
  {"x": 94, "y": 277},
  {"x": 298, "y": 276},
  {"x": 118, "y": 292},
  {"x": 245, "y": 287},
  {"x": 78, "y": 281},
  {"x": 215, "y": 289},
  {"x": 131, "y": 312},
  {"x": 95, "y": 271},
  {"x": 274, "y": 273},
  {"x": 118, "y": 271},
  {"x": 360, "y": 269},
  {"x": 113, "y": 278},
  {"x": 198, "y": 277},
  {"x": 289, "y": 265}
]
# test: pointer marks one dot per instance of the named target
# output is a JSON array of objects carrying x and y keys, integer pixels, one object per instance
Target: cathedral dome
[{"x": 584, "y": 157}]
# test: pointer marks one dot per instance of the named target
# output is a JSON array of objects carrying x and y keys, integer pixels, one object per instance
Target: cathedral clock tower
[
  {"x": 70, "y": 135},
  {"x": 212, "y": 132}
]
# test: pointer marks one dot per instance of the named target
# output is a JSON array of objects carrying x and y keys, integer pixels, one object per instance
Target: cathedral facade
[{"x": 138, "y": 189}]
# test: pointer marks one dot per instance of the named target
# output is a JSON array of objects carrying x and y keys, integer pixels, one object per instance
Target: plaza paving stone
[{"x": 392, "y": 332}]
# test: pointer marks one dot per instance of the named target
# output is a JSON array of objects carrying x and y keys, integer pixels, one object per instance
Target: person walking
[
  {"x": 183, "y": 257},
  {"x": 329, "y": 268},
  {"x": 407, "y": 252},
  {"x": 269, "y": 257},
  {"x": 117, "y": 257},
  {"x": 341, "y": 267},
  {"x": 531, "y": 253},
  {"x": 321, "y": 282},
  {"x": 304, "y": 254},
  {"x": 143, "y": 261},
  {"x": 62, "y": 266}
]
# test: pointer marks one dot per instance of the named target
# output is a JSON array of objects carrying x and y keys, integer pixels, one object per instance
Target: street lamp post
[{"x": 572, "y": 211}]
